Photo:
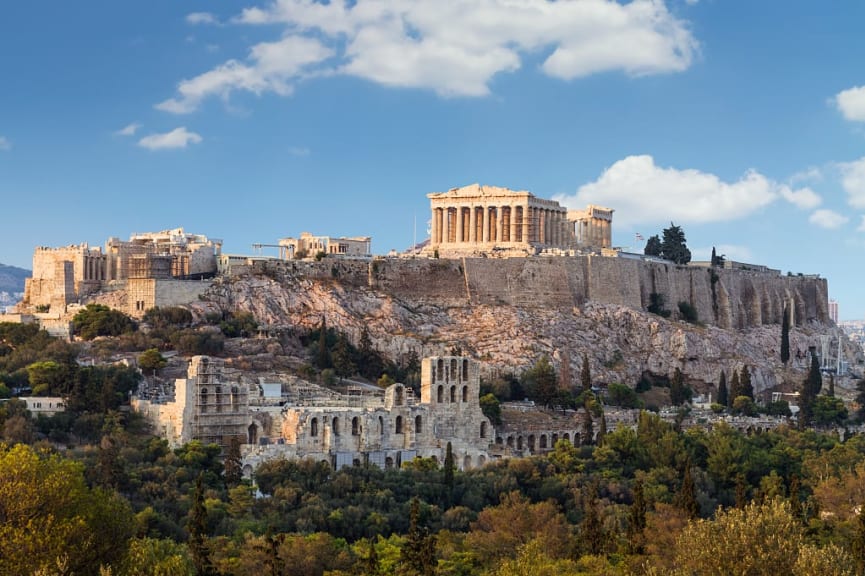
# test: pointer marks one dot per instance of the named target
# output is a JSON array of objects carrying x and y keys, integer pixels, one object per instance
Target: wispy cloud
[
  {"x": 853, "y": 181},
  {"x": 177, "y": 138},
  {"x": 202, "y": 18},
  {"x": 128, "y": 130},
  {"x": 851, "y": 103},
  {"x": 828, "y": 219},
  {"x": 5, "y": 144},
  {"x": 453, "y": 47},
  {"x": 643, "y": 192}
]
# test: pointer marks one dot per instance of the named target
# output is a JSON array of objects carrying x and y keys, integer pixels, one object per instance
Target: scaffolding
[{"x": 221, "y": 408}]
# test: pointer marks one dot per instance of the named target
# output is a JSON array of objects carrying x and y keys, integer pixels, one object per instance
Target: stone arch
[
  {"x": 483, "y": 429},
  {"x": 465, "y": 393},
  {"x": 566, "y": 437},
  {"x": 465, "y": 369},
  {"x": 510, "y": 442},
  {"x": 482, "y": 460},
  {"x": 355, "y": 426},
  {"x": 398, "y": 427},
  {"x": 388, "y": 462},
  {"x": 453, "y": 394},
  {"x": 440, "y": 394},
  {"x": 252, "y": 434},
  {"x": 454, "y": 374},
  {"x": 576, "y": 439},
  {"x": 554, "y": 439},
  {"x": 543, "y": 442},
  {"x": 467, "y": 462},
  {"x": 418, "y": 424},
  {"x": 499, "y": 441},
  {"x": 247, "y": 471},
  {"x": 313, "y": 427},
  {"x": 381, "y": 425},
  {"x": 334, "y": 426},
  {"x": 519, "y": 442},
  {"x": 355, "y": 462},
  {"x": 531, "y": 442},
  {"x": 441, "y": 368}
]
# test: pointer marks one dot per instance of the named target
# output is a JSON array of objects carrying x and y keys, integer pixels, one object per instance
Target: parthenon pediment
[{"x": 479, "y": 190}]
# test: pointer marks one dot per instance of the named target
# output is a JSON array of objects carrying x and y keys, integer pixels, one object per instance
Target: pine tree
[
  {"x": 723, "y": 397},
  {"x": 588, "y": 431},
  {"x": 785, "y": 336},
  {"x": 197, "y": 529},
  {"x": 686, "y": 499},
  {"x": 653, "y": 246},
  {"x": 674, "y": 246},
  {"x": 323, "y": 357}
]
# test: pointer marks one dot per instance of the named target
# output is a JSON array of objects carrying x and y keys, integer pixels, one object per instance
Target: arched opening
[
  {"x": 510, "y": 442},
  {"x": 355, "y": 426},
  {"x": 418, "y": 424},
  {"x": 218, "y": 399},
  {"x": 499, "y": 441},
  {"x": 566, "y": 437},
  {"x": 435, "y": 458},
  {"x": 247, "y": 471},
  {"x": 467, "y": 462},
  {"x": 399, "y": 396},
  {"x": 252, "y": 434},
  {"x": 453, "y": 394},
  {"x": 554, "y": 440},
  {"x": 465, "y": 369},
  {"x": 388, "y": 462},
  {"x": 440, "y": 394},
  {"x": 576, "y": 438},
  {"x": 441, "y": 369},
  {"x": 482, "y": 460},
  {"x": 313, "y": 427},
  {"x": 465, "y": 393},
  {"x": 543, "y": 441},
  {"x": 398, "y": 427},
  {"x": 381, "y": 426},
  {"x": 483, "y": 429},
  {"x": 532, "y": 442},
  {"x": 519, "y": 442},
  {"x": 356, "y": 462},
  {"x": 202, "y": 402},
  {"x": 335, "y": 426},
  {"x": 454, "y": 373}
]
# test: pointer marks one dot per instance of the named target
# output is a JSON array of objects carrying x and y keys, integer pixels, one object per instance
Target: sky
[{"x": 743, "y": 122}]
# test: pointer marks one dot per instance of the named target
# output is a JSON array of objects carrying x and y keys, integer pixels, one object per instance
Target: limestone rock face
[{"x": 509, "y": 317}]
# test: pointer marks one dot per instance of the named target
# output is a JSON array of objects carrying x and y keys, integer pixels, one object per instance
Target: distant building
[
  {"x": 46, "y": 405},
  {"x": 833, "y": 310},
  {"x": 308, "y": 246}
]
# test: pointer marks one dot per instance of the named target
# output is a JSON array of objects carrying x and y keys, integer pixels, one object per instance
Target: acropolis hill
[{"x": 567, "y": 295}]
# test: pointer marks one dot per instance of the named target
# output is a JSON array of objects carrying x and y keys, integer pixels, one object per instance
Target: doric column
[
  {"x": 445, "y": 224},
  {"x": 459, "y": 237},
  {"x": 473, "y": 224},
  {"x": 434, "y": 228},
  {"x": 542, "y": 226},
  {"x": 486, "y": 229},
  {"x": 513, "y": 216},
  {"x": 527, "y": 223},
  {"x": 500, "y": 224}
]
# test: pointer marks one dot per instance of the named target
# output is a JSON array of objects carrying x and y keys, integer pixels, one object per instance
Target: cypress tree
[
  {"x": 785, "y": 336},
  {"x": 637, "y": 520},
  {"x": 588, "y": 426},
  {"x": 735, "y": 389},
  {"x": 197, "y": 529},
  {"x": 417, "y": 554},
  {"x": 795, "y": 503},
  {"x": 449, "y": 468},
  {"x": 602, "y": 428},
  {"x": 585, "y": 375},
  {"x": 677, "y": 388},
  {"x": 592, "y": 528},
  {"x": 745, "y": 386},
  {"x": 686, "y": 499},
  {"x": 723, "y": 397},
  {"x": 323, "y": 357},
  {"x": 232, "y": 466}
]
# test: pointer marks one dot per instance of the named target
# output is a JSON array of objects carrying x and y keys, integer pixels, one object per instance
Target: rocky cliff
[{"x": 507, "y": 312}]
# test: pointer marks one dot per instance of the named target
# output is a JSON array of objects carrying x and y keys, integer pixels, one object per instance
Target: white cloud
[
  {"x": 853, "y": 181},
  {"x": 804, "y": 198},
  {"x": 642, "y": 192},
  {"x": 206, "y": 18},
  {"x": 861, "y": 227},
  {"x": 5, "y": 144},
  {"x": 177, "y": 138},
  {"x": 129, "y": 130},
  {"x": 827, "y": 219},
  {"x": 273, "y": 65},
  {"x": 455, "y": 47},
  {"x": 851, "y": 103},
  {"x": 810, "y": 174}
]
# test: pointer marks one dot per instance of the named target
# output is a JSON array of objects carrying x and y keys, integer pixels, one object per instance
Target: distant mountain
[
  {"x": 11, "y": 284},
  {"x": 12, "y": 278}
]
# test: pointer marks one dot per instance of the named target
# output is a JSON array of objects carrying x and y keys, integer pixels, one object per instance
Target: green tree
[
  {"x": 637, "y": 520},
  {"x": 858, "y": 544},
  {"x": 723, "y": 396},
  {"x": 449, "y": 468},
  {"x": 542, "y": 382},
  {"x": 746, "y": 388},
  {"x": 98, "y": 320},
  {"x": 674, "y": 246},
  {"x": 418, "y": 553},
  {"x": 232, "y": 466},
  {"x": 785, "y": 336},
  {"x": 491, "y": 408},
  {"x": 735, "y": 389},
  {"x": 152, "y": 556},
  {"x": 151, "y": 360},
  {"x": 323, "y": 355},
  {"x": 653, "y": 246},
  {"x": 622, "y": 395},
  {"x": 810, "y": 389},
  {"x": 50, "y": 378},
  {"x": 828, "y": 411},
  {"x": 686, "y": 499},
  {"x": 592, "y": 526},
  {"x": 197, "y": 529},
  {"x": 678, "y": 392},
  {"x": 586, "y": 375}
]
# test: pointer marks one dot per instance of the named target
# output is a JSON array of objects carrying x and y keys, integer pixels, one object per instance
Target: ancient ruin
[
  {"x": 479, "y": 219},
  {"x": 308, "y": 246}
]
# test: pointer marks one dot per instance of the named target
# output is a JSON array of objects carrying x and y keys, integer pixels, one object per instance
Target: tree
[
  {"x": 673, "y": 246},
  {"x": 449, "y": 468},
  {"x": 810, "y": 389},
  {"x": 418, "y": 553},
  {"x": 828, "y": 411},
  {"x": 785, "y": 336},
  {"x": 735, "y": 389},
  {"x": 678, "y": 391},
  {"x": 657, "y": 303},
  {"x": 592, "y": 527},
  {"x": 233, "y": 470},
  {"x": 686, "y": 499},
  {"x": 99, "y": 320},
  {"x": 717, "y": 261},
  {"x": 622, "y": 395},
  {"x": 197, "y": 529},
  {"x": 491, "y": 408},
  {"x": 858, "y": 544},
  {"x": 637, "y": 520},
  {"x": 723, "y": 397},
  {"x": 746, "y": 388},
  {"x": 586, "y": 375},
  {"x": 542, "y": 382},
  {"x": 323, "y": 355},
  {"x": 653, "y": 246},
  {"x": 151, "y": 360}
]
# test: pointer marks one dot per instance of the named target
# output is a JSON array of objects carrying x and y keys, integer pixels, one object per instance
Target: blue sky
[{"x": 741, "y": 121}]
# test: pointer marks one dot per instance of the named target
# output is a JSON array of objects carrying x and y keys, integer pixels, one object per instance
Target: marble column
[
  {"x": 460, "y": 238},
  {"x": 445, "y": 225},
  {"x": 513, "y": 217},
  {"x": 485, "y": 231},
  {"x": 473, "y": 224},
  {"x": 434, "y": 228}
]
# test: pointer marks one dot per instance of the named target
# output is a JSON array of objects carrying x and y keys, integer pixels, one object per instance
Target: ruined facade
[
  {"x": 309, "y": 245},
  {"x": 206, "y": 406},
  {"x": 63, "y": 276},
  {"x": 480, "y": 219}
]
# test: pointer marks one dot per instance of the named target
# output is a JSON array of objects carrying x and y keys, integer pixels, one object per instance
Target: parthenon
[{"x": 478, "y": 218}]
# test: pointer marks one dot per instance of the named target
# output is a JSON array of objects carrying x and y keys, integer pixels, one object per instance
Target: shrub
[{"x": 687, "y": 312}]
